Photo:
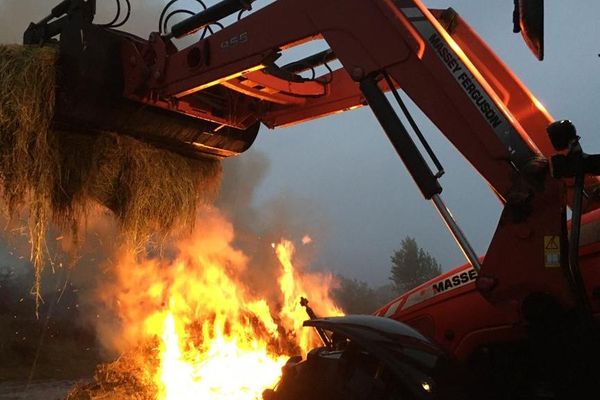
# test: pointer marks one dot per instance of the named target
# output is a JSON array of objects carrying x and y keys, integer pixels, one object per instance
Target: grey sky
[{"x": 348, "y": 171}]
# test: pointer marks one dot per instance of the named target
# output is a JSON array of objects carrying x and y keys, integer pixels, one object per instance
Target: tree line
[{"x": 410, "y": 266}]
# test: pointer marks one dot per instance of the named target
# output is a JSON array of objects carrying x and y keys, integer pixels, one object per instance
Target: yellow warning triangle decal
[{"x": 551, "y": 243}]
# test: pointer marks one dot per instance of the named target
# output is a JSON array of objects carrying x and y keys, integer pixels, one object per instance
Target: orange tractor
[{"x": 518, "y": 323}]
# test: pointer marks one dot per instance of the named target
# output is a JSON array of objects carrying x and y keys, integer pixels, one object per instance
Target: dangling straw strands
[{"x": 55, "y": 176}]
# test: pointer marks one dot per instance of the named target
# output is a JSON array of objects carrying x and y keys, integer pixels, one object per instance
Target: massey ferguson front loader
[{"x": 517, "y": 323}]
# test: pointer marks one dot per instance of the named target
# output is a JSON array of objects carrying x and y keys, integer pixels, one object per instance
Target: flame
[
  {"x": 229, "y": 369},
  {"x": 217, "y": 337},
  {"x": 293, "y": 288}
]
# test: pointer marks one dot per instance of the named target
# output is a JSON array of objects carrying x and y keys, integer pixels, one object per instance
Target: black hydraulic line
[
  {"x": 116, "y": 18},
  {"x": 207, "y": 28},
  {"x": 310, "y": 62},
  {"x": 328, "y": 68},
  {"x": 127, "y": 15},
  {"x": 400, "y": 139},
  {"x": 163, "y": 13},
  {"x": 440, "y": 169},
  {"x": 162, "y": 27},
  {"x": 208, "y": 16},
  {"x": 172, "y": 14}
]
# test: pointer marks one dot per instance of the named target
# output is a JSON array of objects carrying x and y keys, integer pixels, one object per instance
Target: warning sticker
[{"x": 552, "y": 251}]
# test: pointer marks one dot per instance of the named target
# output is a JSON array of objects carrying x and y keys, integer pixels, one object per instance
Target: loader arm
[
  {"x": 438, "y": 61},
  {"x": 409, "y": 44},
  {"x": 230, "y": 82}
]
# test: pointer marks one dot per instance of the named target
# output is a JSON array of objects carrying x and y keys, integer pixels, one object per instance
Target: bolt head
[{"x": 357, "y": 73}]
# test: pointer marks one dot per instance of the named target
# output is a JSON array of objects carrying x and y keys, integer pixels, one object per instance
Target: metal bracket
[{"x": 52, "y": 25}]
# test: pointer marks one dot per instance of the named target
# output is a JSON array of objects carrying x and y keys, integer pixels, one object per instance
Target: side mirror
[{"x": 528, "y": 19}]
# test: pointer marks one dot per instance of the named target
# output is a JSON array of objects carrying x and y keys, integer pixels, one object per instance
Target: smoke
[
  {"x": 237, "y": 233},
  {"x": 285, "y": 214},
  {"x": 260, "y": 222},
  {"x": 242, "y": 177}
]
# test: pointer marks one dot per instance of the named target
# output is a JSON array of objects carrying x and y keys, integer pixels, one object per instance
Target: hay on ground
[
  {"x": 55, "y": 176},
  {"x": 131, "y": 376}
]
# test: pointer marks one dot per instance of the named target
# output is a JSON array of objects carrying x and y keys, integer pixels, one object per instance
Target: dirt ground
[{"x": 42, "y": 390}]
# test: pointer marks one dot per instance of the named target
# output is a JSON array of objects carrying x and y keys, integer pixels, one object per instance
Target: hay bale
[
  {"x": 150, "y": 191},
  {"x": 56, "y": 176}
]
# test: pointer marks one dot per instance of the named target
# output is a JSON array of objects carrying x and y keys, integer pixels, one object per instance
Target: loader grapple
[{"x": 90, "y": 100}]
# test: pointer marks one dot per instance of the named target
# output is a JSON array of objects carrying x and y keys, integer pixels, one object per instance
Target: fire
[
  {"x": 293, "y": 288},
  {"x": 228, "y": 369},
  {"x": 218, "y": 336}
]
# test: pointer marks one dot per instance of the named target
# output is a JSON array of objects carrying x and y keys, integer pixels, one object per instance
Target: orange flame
[
  {"x": 218, "y": 338},
  {"x": 227, "y": 369}
]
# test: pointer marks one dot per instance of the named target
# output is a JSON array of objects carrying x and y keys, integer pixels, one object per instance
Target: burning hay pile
[
  {"x": 56, "y": 176},
  {"x": 126, "y": 378},
  {"x": 206, "y": 333}
]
